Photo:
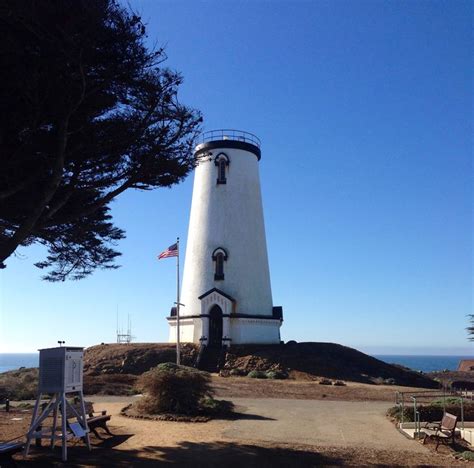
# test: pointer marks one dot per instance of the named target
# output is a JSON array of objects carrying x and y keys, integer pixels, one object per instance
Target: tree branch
[{"x": 24, "y": 230}]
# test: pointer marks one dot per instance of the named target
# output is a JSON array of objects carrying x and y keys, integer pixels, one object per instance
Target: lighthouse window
[
  {"x": 221, "y": 179},
  {"x": 219, "y": 275},
  {"x": 219, "y": 256},
  {"x": 222, "y": 163}
]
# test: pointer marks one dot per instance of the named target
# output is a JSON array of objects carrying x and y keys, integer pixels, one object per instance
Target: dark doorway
[{"x": 215, "y": 327}]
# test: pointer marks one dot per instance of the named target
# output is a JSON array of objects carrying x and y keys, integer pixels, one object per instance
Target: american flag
[{"x": 171, "y": 251}]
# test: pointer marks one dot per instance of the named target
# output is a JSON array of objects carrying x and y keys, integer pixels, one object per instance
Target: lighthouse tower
[{"x": 226, "y": 293}]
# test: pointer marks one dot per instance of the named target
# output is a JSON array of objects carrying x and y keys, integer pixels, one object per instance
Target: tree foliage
[
  {"x": 470, "y": 329},
  {"x": 87, "y": 113}
]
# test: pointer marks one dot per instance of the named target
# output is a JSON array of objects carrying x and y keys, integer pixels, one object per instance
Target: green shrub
[
  {"x": 468, "y": 455},
  {"x": 214, "y": 407},
  {"x": 255, "y": 374},
  {"x": 276, "y": 374},
  {"x": 450, "y": 400},
  {"x": 172, "y": 388},
  {"x": 431, "y": 412},
  {"x": 325, "y": 382}
]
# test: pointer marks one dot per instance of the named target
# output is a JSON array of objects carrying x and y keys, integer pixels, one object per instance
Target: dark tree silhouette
[
  {"x": 87, "y": 112},
  {"x": 470, "y": 329}
]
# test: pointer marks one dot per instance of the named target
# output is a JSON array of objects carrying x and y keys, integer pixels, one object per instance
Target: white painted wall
[
  {"x": 190, "y": 330},
  {"x": 243, "y": 331}
]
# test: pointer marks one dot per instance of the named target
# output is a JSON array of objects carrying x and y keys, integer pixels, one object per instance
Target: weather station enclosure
[
  {"x": 60, "y": 377},
  {"x": 61, "y": 370}
]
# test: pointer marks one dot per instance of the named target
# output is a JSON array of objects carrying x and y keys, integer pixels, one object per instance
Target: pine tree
[{"x": 88, "y": 111}]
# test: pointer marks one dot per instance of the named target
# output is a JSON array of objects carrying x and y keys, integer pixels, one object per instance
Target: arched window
[
  {"x": 221, "y": 178},
  {"x": 222, "y": 163},
  {"x": 219, "y": 256},
  {"x": 219, "y": 266}
]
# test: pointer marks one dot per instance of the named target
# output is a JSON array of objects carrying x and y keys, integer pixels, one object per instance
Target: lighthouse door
[{"x": 215, "y": 327}]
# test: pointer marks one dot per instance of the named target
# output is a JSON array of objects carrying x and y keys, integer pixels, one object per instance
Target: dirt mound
[
  {"x": 303, "y": 361},
  {"x": 112, "y": 369},
  {"x": 330, "y": 360},
  {"x": 134, "y": 358}
]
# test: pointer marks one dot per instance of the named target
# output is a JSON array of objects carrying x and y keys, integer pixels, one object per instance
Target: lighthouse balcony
[
  {"x": 228, "y": 138},
  {"x": 227, "y": 134}
]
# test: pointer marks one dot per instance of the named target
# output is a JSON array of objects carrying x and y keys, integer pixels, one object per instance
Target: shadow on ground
[
  {"x": 228, "y": 454},
  {"x": 236, "y": 415}
]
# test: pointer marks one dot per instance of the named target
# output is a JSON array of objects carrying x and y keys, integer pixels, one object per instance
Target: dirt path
[
  {"x": 321, "y": 423},
  {"x": 270, "y": 432},
  {"x": 276, "y": 432}
]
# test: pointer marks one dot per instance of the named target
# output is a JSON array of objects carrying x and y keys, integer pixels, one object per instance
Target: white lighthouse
[{"x": 226, "y": 289}]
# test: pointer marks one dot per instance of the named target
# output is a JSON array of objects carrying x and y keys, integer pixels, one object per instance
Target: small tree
[
  {"x": 87, "y": 113},
  {"x": 174, "y": 389}
]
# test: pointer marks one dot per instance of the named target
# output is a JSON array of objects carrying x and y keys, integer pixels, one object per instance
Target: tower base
[{"x": 235, "y": 330}]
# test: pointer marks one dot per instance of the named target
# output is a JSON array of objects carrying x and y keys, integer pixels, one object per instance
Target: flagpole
[{"x": 178, "y": 357}]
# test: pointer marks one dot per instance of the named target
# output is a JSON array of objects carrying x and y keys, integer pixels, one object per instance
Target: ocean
[
  {"x": 424, "y": 363},
  {"x": 12, "y": 361},
  {"x": 418, "y": 363}
]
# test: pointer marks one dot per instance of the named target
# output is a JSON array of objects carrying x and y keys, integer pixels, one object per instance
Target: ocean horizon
[
  {"x": 13, "y": 361},
  {"x": 423, "y": 363}
]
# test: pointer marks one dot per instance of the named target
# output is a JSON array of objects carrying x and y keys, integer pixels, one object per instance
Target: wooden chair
[
  {"x": 7, "y": 450},
  {"x": 442, "y": 431}
]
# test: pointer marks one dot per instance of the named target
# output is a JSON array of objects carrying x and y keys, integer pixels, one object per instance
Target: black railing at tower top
[{"x": 229, "y": 134}]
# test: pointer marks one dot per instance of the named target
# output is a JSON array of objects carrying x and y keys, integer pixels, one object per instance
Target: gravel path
[{"x": 317, "y": 422}]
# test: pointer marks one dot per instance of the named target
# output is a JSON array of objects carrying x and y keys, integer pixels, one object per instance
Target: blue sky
[{"x": 365, "y": 113}]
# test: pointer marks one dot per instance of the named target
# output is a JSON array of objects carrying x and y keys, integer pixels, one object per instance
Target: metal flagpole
[{"x": 178, "y": 357}]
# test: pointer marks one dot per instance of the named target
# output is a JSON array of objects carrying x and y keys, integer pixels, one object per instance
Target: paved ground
[
  {"x": 269, "y": 433},
  {"x": 316, "y": 422}
]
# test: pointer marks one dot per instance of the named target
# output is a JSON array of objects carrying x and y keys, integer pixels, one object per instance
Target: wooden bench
[
  {"x": 442, "y": 431},
  {"x": 7, "y": 450},
  {"x": 94, "y": 422}
]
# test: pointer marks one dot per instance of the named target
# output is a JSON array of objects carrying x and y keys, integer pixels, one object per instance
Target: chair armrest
[
  {"x": 435, "y": 425},
  {"x": 94, "y": 414}
]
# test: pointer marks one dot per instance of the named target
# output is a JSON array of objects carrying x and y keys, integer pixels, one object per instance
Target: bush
[
  {"x": 447, "y": 401},
  {"x": 216, "y": 407},
  {"x": 276, "y": 374},
  {"x": 172, "y": 388},
  {"x": 468, "y": 455},
  {"x": 19, "y": 384},
  {"x": 325, "y": 382},
  {"x": 255, "y": 374},
  {"x": 339, "y": 383},
  {"x": 431, "y": 412}
]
